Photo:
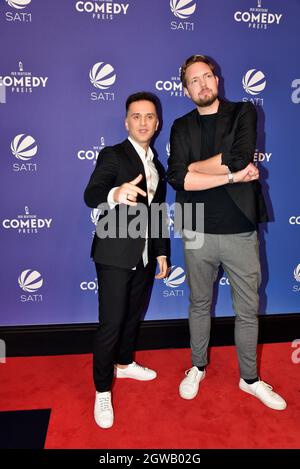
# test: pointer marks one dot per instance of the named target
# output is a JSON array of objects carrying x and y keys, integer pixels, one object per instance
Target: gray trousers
[{"x": 239, "y": 257}]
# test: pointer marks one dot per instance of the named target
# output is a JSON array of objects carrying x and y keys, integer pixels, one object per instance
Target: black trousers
[{"x": 123, "y": 298}]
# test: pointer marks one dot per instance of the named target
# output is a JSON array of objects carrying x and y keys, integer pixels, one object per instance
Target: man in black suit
[
  {"x": 128, "y": 178},
  {"x": 211, "y": 154}
]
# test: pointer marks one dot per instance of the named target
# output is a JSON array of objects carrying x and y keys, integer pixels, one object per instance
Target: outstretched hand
[{"x": 127, "y": 193}]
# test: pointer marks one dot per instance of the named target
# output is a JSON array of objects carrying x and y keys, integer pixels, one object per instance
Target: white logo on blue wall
[
  {"x": 296, "y": 288},
  {"x": 257, "y": 17},
  {"x": 22, "y": 81},
  {"x": 91, "y": 286},
  {"x": 175, "y": 278},
  {"x": 254, "y": 81},
  {"x": 91, "y": 154},
  {"x": 23, "y": 147},
  {"x": 297, "y": 273},
  {"x": 18, "y": 14},
  {"x": 30, "y": 280},
  {"x": 260, "y": 157},
  {"x": 18, "y": 4},
  {"x": 27, "y": 223},
  {"x": 183, "y": 8},
  {"x": 294, "y": 220},
  {"x": 172, "y": 86},
  {"x": 102, "y": 75},
  {"x": 224, "y": 281},
  {"x": 102, "y": 10}
]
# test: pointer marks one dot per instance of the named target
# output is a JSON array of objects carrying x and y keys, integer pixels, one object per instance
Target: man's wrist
[
  {"x": 110, "y": 198},
  {"x": 230, "y": 177}
]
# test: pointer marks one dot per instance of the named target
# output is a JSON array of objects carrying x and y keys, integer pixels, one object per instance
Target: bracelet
[{"x": 230, "y": 177}]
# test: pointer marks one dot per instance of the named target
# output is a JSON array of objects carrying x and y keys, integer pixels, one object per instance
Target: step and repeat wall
[{"x": 66, "y": 69}]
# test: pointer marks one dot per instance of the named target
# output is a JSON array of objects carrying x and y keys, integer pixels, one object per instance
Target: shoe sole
[
  {"x": 271, "y": 406},
  {"x": 104, "y": 426},
  {"x": 137, "y": 379},
  {"x": 188, "y": 397}
]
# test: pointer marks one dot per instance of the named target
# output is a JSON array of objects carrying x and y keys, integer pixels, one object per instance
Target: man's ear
[
  {"x": 126, "y": 124},
  {"x": 217, "y": 79},
  {"x": 157, "y": 125}
]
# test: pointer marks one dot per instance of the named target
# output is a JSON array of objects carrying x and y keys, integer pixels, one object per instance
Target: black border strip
[{"x": 63, "y": 339}]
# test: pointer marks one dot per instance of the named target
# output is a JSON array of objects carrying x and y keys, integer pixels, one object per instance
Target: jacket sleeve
[
  {"x": 102, "y": 179},
  {"x": 179, "y": 159},
  {"x": 243, "y": 147},
  {"x": 162, "y": 248}
]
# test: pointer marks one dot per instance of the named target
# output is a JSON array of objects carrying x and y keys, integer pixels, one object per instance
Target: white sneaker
[
  {"x": 189, "y": 386},
  {"x": 135, "y": 371},
  {"x": 264, "y": 393},
  {"x": 103, "y": 410}
]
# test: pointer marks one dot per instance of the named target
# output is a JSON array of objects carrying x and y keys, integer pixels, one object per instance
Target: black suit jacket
[
  {"x": 235, "y": 138},
  {"x": 116, "y": 165}
]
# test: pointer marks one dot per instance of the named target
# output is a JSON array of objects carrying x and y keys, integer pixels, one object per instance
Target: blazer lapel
[
  {"x": 132, "y": 155},
  {"x": 223, "y": 120},
  {"x": 136, "y": 162}
]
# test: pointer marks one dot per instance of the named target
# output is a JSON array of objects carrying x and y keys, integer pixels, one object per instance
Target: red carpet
[{"x": 151, "y": 414}]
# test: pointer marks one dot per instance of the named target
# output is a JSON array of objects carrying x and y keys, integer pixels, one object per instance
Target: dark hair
[
  {"x": 143, "y": 96},
  {"x": 191, "y": 60}
]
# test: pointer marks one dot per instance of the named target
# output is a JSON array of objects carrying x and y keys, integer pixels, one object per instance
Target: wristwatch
[{"x": 230, "y": 177}]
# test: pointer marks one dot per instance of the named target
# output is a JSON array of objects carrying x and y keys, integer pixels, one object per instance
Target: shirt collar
[{"x": 140, "y": 150}]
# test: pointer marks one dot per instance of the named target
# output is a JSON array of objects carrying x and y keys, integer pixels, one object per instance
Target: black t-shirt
[{"x": 221, "y": 214}]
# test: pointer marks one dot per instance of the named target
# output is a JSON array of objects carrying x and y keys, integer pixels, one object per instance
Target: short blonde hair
[{"x": 192, "y": 60}]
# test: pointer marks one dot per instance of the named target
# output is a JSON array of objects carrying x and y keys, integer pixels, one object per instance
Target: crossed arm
[{"x": 213, "y": 172}]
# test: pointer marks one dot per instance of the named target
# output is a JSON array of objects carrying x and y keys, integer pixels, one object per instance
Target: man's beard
[{"x": 207, "y": 100}]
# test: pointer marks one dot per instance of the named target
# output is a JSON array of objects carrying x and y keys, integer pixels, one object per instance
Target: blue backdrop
[{"x": 66, "y": 69}]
